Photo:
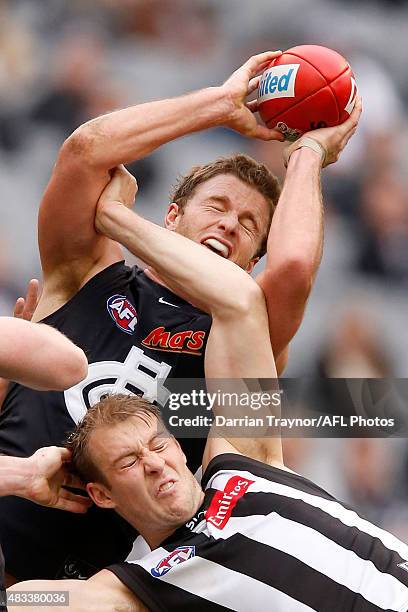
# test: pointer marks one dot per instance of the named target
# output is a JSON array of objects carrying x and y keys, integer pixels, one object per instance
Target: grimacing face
[
  {"x": 149, "y": 482},
  {"x": 227, "y": 216}
]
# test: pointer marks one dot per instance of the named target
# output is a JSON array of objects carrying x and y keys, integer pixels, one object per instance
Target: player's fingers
[
  {"x": 19, "y": 308},
  {"x": 253, "y": 84},
  {"x": 74, "y": 481},
  {"x": 252, "y": 106},
  {"x": 73, "y": 496},
  {"x": 264, "y": 65},
  {"x": 65, "y": 453},
  {"x": 347, "y": 137},
  {"x": 254, "y": 62},
  {"x": 125, "y": 178},
  {"x": 352, "y": 121},
  {"x": 79, "y": 504},
  {"x": 264, "y": 133},
  {"x": 31, "y": 299},
  {"x": 357, "y": 110}
]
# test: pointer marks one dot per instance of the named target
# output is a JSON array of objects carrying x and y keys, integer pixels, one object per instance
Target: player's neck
[
  {"x": 156, "y": 537},
  {"x": 155, "y": 534}
]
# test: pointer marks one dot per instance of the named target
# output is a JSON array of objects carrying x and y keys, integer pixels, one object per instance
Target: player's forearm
[
  {"x": 190, "y": 270},
  {"x": 101, "y": 593},
  {"x": 132, "y": 133},
  {"x": 39, "y": 356},
  {"x": 294, "y": 248},
  {"x": 296, "y": 233},
  {"x": 72, "y": 595},
  {"x": 14, "y": 476}
]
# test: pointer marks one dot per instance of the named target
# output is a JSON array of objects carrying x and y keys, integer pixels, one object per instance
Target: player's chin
[
  {"x": 177, "y": 514},
  {"x": 179, "y": 507}
]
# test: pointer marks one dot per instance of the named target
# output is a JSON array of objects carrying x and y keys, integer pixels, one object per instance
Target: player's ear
[
  {"x": 172, "y": 217},
  {"x": 100, "y": 495},
  {"x": 252, "y": 263}
]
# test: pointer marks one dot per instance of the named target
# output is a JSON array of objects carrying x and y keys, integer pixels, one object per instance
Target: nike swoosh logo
[{"x": 162, "y": 301}]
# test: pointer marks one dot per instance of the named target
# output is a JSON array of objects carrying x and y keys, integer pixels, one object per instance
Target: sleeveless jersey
[
  {"x": 134, "y": 332},
  {"x": 268, "y": 539}
]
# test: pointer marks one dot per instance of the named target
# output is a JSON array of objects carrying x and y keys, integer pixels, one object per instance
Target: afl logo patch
[
  {"x": 179, "y": 555},
  {"x": 122, "y": 312}
]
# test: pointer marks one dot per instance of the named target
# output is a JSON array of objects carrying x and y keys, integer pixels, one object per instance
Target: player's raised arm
[
  {"x": 71, "y": 251},
  {"x": 39, "y": 356},
  {"x": 239, "y": 344},
  {"x": 189, "y": 269},
  {"x": 295, "y": 238}
]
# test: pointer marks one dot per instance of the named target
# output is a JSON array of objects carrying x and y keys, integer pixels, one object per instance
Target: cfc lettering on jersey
[
  {"x": 122, "y": 312},
  {"x": 179, "y": 555},
  {"x": 223, "y": 502},
  {"x": 189, "y": 341},
  {"x": 139, "y": 374}
]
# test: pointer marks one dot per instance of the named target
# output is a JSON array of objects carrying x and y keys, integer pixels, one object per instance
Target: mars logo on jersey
[
  {"x": 122, "y": 312},
  {"x": 188, "y": 341},
  {"x": 179, "y": 555},
  {"x": 223, "y": 502}
]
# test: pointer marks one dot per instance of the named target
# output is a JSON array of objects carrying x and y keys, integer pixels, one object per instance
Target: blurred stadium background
[{"x": 63, "y": 62}]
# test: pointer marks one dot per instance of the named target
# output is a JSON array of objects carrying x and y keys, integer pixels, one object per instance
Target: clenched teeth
[
  {"x": 215, "y": 244},
  {"x": 166, "y": 486}
]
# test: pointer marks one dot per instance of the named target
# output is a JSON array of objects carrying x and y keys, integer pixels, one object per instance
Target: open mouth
[
  {"x": 217, "y": 247},
  {"x": 166, "y": 487}
]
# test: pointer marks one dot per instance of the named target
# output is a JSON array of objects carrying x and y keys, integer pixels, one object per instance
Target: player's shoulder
[
  {"x": 164, "y": 300},
  {"x": 114, "y": 278}
]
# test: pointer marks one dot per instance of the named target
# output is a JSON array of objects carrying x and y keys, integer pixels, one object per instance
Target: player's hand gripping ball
[{"x": 305, "y": 88}]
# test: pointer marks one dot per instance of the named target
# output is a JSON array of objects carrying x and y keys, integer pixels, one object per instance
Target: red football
[{"x": 307, "y": 87}]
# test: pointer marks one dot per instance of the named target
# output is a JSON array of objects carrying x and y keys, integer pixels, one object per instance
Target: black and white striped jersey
[{"x": 268, "y": 539}]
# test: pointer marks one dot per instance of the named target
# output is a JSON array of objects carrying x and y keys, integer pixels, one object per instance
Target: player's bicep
[
  {"x": 67, "y": 236},
  {"x": 285, "y": 302}
]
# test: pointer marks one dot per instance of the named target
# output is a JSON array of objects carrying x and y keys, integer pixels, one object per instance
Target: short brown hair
[
  {"x": 111, "y": 410},
  {"x": 243, "y": 167}
]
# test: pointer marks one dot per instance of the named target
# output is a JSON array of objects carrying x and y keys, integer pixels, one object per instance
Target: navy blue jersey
[{"x": 135, "y": 333}]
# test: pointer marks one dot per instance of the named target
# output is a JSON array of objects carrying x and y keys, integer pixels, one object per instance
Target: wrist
[
  {"x": 307, "y": 147},
  {"x": 121, "y": 224},
  {"x": 16, "y": 476},
  {"x": 108, "y": 217},
  {"x": 221, "y": 103},
  {"x": 304, "y": 157}
]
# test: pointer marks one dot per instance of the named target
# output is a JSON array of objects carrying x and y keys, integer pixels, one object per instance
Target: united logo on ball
[{"x": 305, "y": 88}]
